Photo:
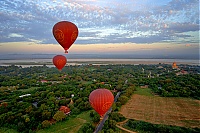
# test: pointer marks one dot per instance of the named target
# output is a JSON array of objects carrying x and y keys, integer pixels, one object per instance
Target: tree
[
  {"x": 20, "y": 126},
  {"x": 46, "y": 115},
  {"x": 46, "y": 123},
  {"x": 87, "y": 128},
  {"x": 123, "y": 99},
  {"x": 75, "y": 111},
  {"x": 117, "y": 117},
  {"x": 59, "y": 116},
  {"x": 27, "y": 119}
]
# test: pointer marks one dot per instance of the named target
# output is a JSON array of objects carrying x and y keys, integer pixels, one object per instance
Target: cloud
[
  {"x": 99, "y": 21},
  {"x": 14, "y": 35},
  {"x": 183, "y": 27}
]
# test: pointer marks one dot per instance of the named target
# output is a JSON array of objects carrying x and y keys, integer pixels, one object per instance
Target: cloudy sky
[{"x": 160, "y": 27}]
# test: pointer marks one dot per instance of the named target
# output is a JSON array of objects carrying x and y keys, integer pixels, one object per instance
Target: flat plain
[{"x": 182, "y": 112}]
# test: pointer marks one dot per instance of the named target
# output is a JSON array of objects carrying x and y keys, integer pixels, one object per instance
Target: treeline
[
  {"x": 177, "y": 86},
  {"x": 145, "y": 127}
]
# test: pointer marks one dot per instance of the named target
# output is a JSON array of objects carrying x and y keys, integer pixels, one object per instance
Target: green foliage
[
  {"x": 108, "y": 125},
  {"x": 46, "y": 124},
  {"x": 95, "y": 116},
  {"x": 141, "y": 126},
  {"x": 70, "y": 125},
  {"x": 7, "y": 130},
  {"x": 87, "y": 128},
  {"x": 75, "y": 111},
  {"x": 118, "y": 117},
  {"x": 59, "y": 116},
  {"x": 46, "y": 98},
  {"x": 21, "y": 126},
  {"x": 123, "y": 99},
  {"x": 177, "y": 86}
]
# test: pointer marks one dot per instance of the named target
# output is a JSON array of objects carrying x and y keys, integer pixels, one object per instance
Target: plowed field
[{"x": 161, "y": 110}]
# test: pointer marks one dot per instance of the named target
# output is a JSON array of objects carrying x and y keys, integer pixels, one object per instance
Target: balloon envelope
[
  {"x": 65, "y": 33},
  {"x": 59, "y": 61},
  {"x": 101, "y": 100}
]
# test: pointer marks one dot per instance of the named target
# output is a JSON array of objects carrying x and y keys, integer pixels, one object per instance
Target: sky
[{"x": 146, "y": 27}]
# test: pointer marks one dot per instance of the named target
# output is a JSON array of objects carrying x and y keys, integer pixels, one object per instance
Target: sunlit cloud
[
  {"x": 114, "y": 26},
  {"x": 136, "y": 20}
]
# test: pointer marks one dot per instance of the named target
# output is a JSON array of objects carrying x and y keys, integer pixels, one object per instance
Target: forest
[{"x": 30, "y": 98}]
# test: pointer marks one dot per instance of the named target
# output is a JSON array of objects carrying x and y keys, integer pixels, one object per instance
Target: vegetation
[
  {"x": 142, "y": 127},
  {"x": 71, "y": 124},
  {"x": 30, "y": 97}
]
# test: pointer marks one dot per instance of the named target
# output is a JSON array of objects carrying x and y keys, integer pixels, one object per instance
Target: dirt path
[
  {"x": 120, "y": 124},
  {"x": 124, "y": 129}
]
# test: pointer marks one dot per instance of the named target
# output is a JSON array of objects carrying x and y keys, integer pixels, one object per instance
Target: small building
[
  {"x": 144, "y": 86},
  {"x": 182, "y": 72},
  {"x": 43, "y": 81},
  {"x": 160, "y": 67},
  {"x": 65, "y": 109},
  {"x": 174, "y": 66}
]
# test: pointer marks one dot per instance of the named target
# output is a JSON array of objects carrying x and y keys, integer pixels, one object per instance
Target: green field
[
  {"x": 71, "y": 125},
  {"x": 143, "y": 91}
]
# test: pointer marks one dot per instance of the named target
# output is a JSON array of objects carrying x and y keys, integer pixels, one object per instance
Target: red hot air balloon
[
  {"x": 101, "y": 100},
  {"x": 65, "y": 33},
  {"x": 59, "y": 61}
]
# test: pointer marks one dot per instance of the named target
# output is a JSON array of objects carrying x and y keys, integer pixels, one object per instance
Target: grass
[
  {"x": 145, "y": 91},
  {"x": 71, "y": 125}
]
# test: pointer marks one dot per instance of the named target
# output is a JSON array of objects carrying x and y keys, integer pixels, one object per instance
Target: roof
[{"x": 65, "y": 109}]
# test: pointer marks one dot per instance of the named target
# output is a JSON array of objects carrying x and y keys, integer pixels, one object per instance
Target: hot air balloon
[
  {"x": 65, "y": 33},
  {"x": 101, "y": 100},
  {"x": 59, "y": 61}
]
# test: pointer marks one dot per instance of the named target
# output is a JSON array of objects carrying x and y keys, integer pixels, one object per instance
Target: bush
[
  {"x": 123, "y": 99},
  {"x": 117, "y": 117},
  {"x": 152, "y": 128},
  {"x": 95, "y": 116},
  {"x": 59, "y": 116},
  {"x": 46, "y": 123},
  {"x": 87, "y": 128}
]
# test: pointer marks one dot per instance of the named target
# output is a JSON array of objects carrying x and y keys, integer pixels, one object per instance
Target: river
[{"x": 48, "y": 62}]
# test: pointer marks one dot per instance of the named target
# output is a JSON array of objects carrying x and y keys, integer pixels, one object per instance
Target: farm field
[{"x": 183, "y": 112}]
